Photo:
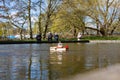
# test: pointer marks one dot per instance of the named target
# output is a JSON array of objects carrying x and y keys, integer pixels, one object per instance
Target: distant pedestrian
[
  {"x": 79, "y": 36},
  {"x": 56, "y": 37},
  {"x": 39, "y": 37},
  {"x": 50, "y": 36}
]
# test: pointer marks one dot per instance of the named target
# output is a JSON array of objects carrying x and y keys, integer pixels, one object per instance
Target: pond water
[{"x": 36, "y": 62}]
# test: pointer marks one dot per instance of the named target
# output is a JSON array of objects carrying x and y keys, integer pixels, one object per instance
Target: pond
[{"x": 36, "y": 62}]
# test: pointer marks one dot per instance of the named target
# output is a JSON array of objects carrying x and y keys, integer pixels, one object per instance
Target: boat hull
[{"x": 56, "y": 49}]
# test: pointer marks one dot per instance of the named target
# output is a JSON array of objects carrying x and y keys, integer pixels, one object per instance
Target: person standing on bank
[
  {"x": 79, "y": 36},
  {"x": 50, "y": 36},
  {"x": 39, "y": 37},
  {"x": 56, "y": 37}
]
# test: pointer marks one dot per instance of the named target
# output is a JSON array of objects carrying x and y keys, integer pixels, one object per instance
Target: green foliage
[
  {"x": 1, "y": 32},
  {"x": 63, "y": 15},
  {"x": 68, "y": 18}
]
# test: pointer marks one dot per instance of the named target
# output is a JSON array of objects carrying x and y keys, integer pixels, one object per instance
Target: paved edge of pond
[
  {"x": 35, "y": 42},
  {"x": 104, "y": 41},
  {"x": 108, "y": 73}
]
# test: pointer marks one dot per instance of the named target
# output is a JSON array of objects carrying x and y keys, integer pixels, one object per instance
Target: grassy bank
[
  {"x": 93, "y": 38},
  {"x": 84, "y": 38},
  {"x": 102, "y": 38}
]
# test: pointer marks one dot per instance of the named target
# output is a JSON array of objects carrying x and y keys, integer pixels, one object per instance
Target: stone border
[{"x": 104, "y": 41}]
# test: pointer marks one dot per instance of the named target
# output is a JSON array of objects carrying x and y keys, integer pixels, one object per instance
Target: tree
[
  {"x": 51, "y": 9},
  {"x": 29, "y": 18},
  {"x": 103, "y": 12},
  {"x": 4, "y": 15},
  {"x": 15, "y": 14},
  {"x": 17, "y": 11},
  {"x": 5, "y": 29},
  {"x": 40, "y": 30},
  {"x": 69, "y": 18}
]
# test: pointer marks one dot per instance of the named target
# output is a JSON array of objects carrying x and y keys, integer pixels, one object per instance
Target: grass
[
  {"x": 74, "y": 39},
  {"x": 102, "y": 38}
]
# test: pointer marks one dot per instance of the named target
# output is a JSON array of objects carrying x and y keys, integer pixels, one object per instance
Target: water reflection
[
  {"x": 56, "y": 57},
  {"x": 82, "y": 58},
  {"x": 24, "y": 62},
  {"x": 35, "y": 62}
]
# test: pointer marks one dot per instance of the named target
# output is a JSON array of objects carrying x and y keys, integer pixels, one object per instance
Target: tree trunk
[
  {"x": 46, "y": 27},
  {"x": 74, "y": 32},
  {"x": 29, "y": 19},
  {"x": 47, "y": 19},
  {"x": 97, "y": 28},
  {"x": 40, "y": 18},
  {"x": 21, "y": 34},
  {"x": 103, "y": 31}
]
